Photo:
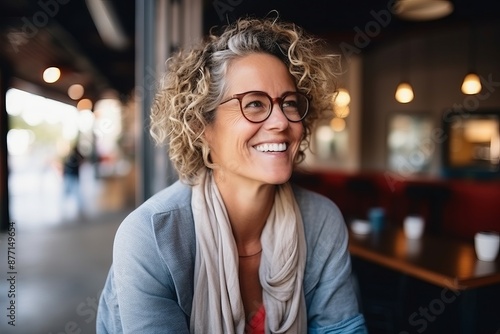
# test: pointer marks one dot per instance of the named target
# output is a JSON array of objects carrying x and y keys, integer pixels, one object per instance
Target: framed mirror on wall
[
  {"x": 410, "y": 147},
  {"x": 471, "y": 148}
]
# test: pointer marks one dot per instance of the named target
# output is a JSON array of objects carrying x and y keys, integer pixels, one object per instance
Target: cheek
[
  {"x": 230, "y": 139},
  {"x": 298, "y": 131},
  {"x": 298, "y": 135}
]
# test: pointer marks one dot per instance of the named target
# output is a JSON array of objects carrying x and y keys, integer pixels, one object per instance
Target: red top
[{"x": 256, "y": 325}]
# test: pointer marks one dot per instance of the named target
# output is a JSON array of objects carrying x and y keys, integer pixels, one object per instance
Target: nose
[{"x": 277, "y": 120}]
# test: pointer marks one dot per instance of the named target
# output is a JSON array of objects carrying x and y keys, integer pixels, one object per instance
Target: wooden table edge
[{"x": 410, "y": 269}]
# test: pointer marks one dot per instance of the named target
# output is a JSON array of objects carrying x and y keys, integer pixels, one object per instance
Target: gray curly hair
[{"x": 194, "y": 85}]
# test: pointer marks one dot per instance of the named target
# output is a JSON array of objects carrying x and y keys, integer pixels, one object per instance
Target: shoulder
[
  {"x": 158, "y": 240},
  {"x": 325, "y": 232},
  {"x": 160, "y": 220},
  {"x": 175, "y": 198},
  {"x": 318, "y": 212}
]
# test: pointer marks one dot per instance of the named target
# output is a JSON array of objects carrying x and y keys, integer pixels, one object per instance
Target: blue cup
[{"x": 376, "y": 216}]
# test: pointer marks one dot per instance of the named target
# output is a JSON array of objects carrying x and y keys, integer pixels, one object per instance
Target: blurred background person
[{"x": 72, "y": 195}]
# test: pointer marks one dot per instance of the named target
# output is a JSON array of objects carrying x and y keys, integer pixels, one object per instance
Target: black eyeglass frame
[{"x": 280, "y": 101}]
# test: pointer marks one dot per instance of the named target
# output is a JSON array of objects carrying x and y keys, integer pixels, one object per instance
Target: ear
[
  {"x": 208, "y": 134},
  {"x": 207, "y": 142}
]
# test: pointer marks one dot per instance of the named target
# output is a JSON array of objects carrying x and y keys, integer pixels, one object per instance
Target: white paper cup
[
  {"x": 486, "y": 245},
  {"x": 413, "y": 227},
  {"x": 359, "y": 226}
]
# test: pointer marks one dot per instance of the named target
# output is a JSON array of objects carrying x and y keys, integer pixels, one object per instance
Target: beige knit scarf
[{"x": 217, "y": 305}]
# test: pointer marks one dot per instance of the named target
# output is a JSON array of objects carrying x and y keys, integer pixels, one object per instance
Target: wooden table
[{"x": 444, "y": 262}]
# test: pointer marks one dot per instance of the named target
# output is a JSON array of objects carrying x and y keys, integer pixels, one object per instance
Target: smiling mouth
[{"x": 272, "y": 147}]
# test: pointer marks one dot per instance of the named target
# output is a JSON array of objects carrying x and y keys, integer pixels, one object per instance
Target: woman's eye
[
  {"x": 254, "y": 105},
  {"x": 290, "y": 104}
]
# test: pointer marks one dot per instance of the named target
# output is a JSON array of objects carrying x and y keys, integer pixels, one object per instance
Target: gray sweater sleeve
[{"x": 332, "y": 305}]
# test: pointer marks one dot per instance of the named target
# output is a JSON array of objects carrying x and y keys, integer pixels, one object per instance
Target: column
[{"x": 162, "y": 26}]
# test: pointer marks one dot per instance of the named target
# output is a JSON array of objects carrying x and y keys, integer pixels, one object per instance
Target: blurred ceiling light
[
  {"x": 341, "y": 98},
  {"x": 107, "y": 23},
  {"x": 75, "y": 92},
  {"x": 341, "y": 112},
  {"x": 84, "y": 104},
  {"x": 404, "y": 93},
  {"x": 471, "y": 84},
  {"x": 422, "y": 10},
  {"x": 337, "y": 124},
  {"x": 51, "y": 74}
]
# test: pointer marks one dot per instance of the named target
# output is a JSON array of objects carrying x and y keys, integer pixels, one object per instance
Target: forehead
[{"x": 259, "y": 71}]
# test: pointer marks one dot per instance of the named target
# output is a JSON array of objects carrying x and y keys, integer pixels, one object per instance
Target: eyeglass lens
[{"x": 256, "y": 106}]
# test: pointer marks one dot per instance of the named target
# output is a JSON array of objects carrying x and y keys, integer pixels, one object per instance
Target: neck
[{"x": 248, "y": 207}]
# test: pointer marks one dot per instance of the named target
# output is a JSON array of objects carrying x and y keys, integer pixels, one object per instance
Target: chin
[{"x": 279, "y": 177}]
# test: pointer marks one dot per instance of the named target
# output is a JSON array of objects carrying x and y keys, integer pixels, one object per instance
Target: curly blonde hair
[{"x": 194, "y": 85}]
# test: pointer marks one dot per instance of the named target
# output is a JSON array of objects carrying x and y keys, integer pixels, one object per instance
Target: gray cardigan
[{"x": 149, "y": 288}]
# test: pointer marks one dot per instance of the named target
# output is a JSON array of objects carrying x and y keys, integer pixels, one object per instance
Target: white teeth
[{"x": 271, "y": 147}]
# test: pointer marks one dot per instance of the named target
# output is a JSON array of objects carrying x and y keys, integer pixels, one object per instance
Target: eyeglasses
[{"x": 257, "y": 106}]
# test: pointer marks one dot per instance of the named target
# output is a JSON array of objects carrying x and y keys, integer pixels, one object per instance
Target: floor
[{"x": 62, "y": 252}]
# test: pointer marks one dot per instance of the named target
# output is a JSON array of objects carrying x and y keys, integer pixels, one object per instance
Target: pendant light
[
  {"x": 472, "y": 84},
  {"x": 404, "y": 91},
  {"x": 423, "y": 10}
]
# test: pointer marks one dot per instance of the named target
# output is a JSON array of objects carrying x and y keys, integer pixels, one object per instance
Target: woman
[{"x": 232, "y": 247}]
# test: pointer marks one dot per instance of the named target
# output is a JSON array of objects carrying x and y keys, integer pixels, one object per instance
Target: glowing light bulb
[
  {"x": 342, "y": 112},
  {"x": 471, "y": 84},
  {"x": 342, "y": 98},
  {"x": 75, "y": 91},
  {"x": 84, "y": 104},
  {"x": 337, "y": 124},
  {"x": 404, "y": 93},
  {"x": 51, "y": 74}
]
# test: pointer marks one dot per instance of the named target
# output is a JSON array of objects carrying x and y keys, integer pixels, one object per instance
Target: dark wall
[{"x": 437, "y": 64}]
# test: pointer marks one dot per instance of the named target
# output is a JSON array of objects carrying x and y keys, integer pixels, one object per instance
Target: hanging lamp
[
  {"x": 472, "y": 84},
  {"x": 404, "y": 91},
  {"x": 423, "y": 10}
]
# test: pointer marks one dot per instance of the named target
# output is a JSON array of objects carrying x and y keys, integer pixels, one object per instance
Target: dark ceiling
[{"x": 37, "y": 34}]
